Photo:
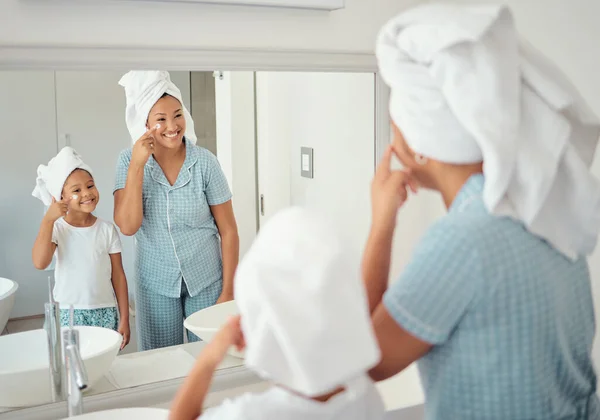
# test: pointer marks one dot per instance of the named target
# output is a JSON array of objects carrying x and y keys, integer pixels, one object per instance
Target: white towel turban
[
  {"x": 464, "y": 90},
  {"x": 51, "y": 178},
  {"x": 142, "y": 90},
  {"x": 304, "y": 310}
]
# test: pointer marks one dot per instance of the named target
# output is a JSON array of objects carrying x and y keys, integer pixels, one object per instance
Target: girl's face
[
  {"x": 80, "y": 192},
  {"x": 167, "y": 112}
]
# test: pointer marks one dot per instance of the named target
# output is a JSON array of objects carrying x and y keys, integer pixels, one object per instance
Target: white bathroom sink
[
  {"x": 8, "y": 290},
  {"x": 24, "y": 364},
  {"x": 126, "y": 414},
  {"x": 206, "y": 323}
]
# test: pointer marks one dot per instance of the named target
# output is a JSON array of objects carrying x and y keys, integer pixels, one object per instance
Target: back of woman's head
[{"x": 465, "y": 91}]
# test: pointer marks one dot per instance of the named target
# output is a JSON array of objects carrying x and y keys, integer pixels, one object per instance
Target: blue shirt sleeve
[
  {"x": 216, "y": 187},
  {"x": 122, "y": 168},
  {"x": 438, "y": 284}
]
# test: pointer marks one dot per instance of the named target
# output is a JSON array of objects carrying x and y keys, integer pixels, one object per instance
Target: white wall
[
  {"x": 28, "y": 138},
  {"x": 68, "y": 22}
]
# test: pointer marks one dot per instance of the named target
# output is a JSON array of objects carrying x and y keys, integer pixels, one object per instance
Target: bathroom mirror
[{"x": 280, "y": 139}]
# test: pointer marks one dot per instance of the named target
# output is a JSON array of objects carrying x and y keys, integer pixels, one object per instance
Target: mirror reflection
[{"x": 148, "y": 186}]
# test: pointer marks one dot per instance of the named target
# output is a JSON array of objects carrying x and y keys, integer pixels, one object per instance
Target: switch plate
[{"x": 306, "y": 162}]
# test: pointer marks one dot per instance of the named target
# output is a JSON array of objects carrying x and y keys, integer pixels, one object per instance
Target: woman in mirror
[
  {"x": 495, "y": 302},
  {"x": 174, "y": 197}
]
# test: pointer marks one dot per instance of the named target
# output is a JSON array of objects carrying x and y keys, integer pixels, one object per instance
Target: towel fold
[
  {"x": 304, "y": 310},
  {"x": 142, "y": 90},
  {"x": 51, "y": 178}
]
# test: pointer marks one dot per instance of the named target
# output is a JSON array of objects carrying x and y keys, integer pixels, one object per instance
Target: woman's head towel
[
  {"x": 142, "y": 90},
  {"x": 463, "y": 90}
]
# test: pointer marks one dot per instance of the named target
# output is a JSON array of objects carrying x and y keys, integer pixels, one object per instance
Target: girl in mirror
[{"x": 89, "y": 272}]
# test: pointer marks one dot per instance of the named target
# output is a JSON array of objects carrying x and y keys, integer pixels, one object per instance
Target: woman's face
[
  {"x": 406, "y": 156},
  {"x": 168, "y": 113}
]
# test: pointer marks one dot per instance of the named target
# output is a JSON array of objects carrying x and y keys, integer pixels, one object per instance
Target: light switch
[{"x": 306, "y": 163}]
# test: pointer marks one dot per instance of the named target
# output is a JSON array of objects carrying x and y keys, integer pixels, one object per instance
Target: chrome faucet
[
  {"x": 74, "y": 370},
  {"x": 52, "y": 326},
  {"x": 71, "y": 373}
]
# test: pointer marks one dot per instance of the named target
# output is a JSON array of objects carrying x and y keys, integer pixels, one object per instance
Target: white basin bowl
[
  {"x": 206, "y": 322},
  {"x": 8, "y": 290},
  {"x": 24, "y": 364},
  {"x": 126, "y": 414}
]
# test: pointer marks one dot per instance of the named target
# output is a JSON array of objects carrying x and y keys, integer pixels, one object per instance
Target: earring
[{"x": 421, "y": 160}]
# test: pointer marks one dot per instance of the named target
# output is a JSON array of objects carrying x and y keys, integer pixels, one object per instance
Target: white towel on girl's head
[
  {"x": 142, "y": 90},
  {"x": 51, "y": 178},
  {"x": 304, "y": 311},
  {"x": 464, "y": 90}
]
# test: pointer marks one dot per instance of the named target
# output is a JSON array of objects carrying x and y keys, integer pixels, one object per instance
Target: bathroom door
[
  {"x": 236, "y": 145},
  {"x": 334, "y": 114}
]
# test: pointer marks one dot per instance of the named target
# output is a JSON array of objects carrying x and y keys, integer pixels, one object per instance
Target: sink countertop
[
  {"x": 399, "y": 392},
  {"x": 194, "y": 349}
]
